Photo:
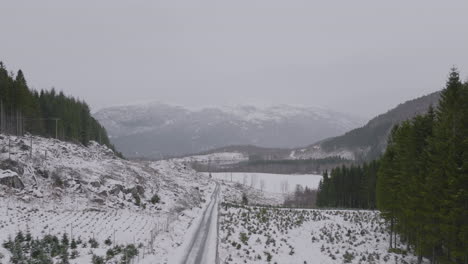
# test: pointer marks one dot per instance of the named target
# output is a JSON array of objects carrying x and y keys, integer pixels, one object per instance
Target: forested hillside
[
  {"x": 421, "y": 186},
  {"x": 369, "y": 142},
  {"x": 45, "y": 113}
]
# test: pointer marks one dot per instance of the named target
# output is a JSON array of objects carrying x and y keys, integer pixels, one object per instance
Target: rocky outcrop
[
  {"x": 117, "y": 189},
  {"x": 12, "y": 165},
  {"x": 10, "y": 179},
  {"x": 136, "y": 190}
]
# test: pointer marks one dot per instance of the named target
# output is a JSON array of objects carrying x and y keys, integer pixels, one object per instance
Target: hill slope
[
  {"x": 45, "y": 113},
  {"x": 369, "y": 141},
  {"x": 89, "y": 192}
]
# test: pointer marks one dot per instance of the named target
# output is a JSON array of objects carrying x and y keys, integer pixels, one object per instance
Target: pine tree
[
  {"x": 65, "y": 240},
  {"x": 446, "y": 177}
]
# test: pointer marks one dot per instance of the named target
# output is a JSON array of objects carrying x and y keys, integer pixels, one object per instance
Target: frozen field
[{"x": 275, "y": 183}]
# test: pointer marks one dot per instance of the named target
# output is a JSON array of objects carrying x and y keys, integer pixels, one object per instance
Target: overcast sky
[{"x": 359, "y": 57}]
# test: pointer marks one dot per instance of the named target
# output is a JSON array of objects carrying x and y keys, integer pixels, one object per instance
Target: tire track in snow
[{"x": 198, "y": 250}]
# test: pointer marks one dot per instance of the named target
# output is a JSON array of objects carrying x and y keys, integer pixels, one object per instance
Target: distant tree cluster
[
  {"x": 282, "y": 166},
  {"x": 45, "y": 113},
  {"x": 349, "y": 187},
  {"x": 301, "y": 198},
  {"x": 422, "y": 187}
]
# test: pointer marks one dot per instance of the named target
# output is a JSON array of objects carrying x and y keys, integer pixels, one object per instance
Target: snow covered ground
[
  {"x": 60, "y": 187},
  {"x": 218, "y": 158},
  {"x": 201, "y": 244},
  {"x": 262, "y": 235},
  {"x": 170, "y": 212},
  {"x": 274, "y": 183},
  {"x": 316, "y": 152}
]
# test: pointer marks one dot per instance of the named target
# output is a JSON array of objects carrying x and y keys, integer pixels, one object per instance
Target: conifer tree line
[
  {"x": 420, "y": 182},
  {"x": 45, "y": 113},
  {"x": 349, "y": 187},
  {"x": 422, "y": 186}
]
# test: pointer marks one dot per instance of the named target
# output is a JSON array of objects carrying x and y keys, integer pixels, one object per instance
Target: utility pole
[
  {"x": 30, "y": 150},
  {"x": 56, "y": 127}
]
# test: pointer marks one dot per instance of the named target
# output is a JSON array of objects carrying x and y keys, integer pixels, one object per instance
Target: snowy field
[
  {"x": 108, "y": 204},
  {"x": 260, "y": 235},
  {"x": 156, "y": 236},
  {"x": 274, "y": 183},
  {"x": 218, "y": 158}
]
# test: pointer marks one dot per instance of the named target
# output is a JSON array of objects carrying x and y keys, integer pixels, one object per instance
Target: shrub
[
  {"x": 243, "y": 238},
  {"x": 137, "y": 199},
  {"x": 57, "y": 180},
  {"x": 97, "y": 260},
  {"x": 73, "y": 244},
  {"x": 128, "y": 253},
  {"x": 108, "y": 241},
  {"x": 245, "y": 200},
  {"x": 348, "y": 257},
  {"x": 110, "y": 254},
  {"x": 65, "y": 240},
  {"x": 74, "y": 254},
  {"x": 155, "y": 199},
  {"x": 93, "y": 243}
]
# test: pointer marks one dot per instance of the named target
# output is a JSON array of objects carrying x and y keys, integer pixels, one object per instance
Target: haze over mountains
[
  {"x": 360, "y": 144},
  {"x": 156, "y": 129}
]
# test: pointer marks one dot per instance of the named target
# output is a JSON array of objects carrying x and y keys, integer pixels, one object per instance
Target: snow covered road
[{"x": 202, "y": 247}]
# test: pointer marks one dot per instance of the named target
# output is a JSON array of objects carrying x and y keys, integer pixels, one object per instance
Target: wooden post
[
  {"x": 30, "y": 150},
  {"x": 9, "y": 147},
  {"x": 56, "y": 127}
]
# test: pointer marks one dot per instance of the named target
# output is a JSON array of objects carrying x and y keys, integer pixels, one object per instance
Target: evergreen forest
[
  {"x": 46, "y": 112},
  {"x": 420, "y": 183}
]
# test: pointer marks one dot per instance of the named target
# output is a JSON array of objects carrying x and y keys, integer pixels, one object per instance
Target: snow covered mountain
[{"x": 156, "y": 129}]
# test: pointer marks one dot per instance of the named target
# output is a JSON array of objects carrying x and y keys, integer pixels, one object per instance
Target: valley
[
  {"x": 196, "y": 218},
  {"x": 233, "y": 132}
]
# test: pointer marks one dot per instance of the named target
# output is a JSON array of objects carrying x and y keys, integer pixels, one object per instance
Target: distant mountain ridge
[
  {"x": 156, "y": 129},
  {"x": 360, "y": 144}
]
